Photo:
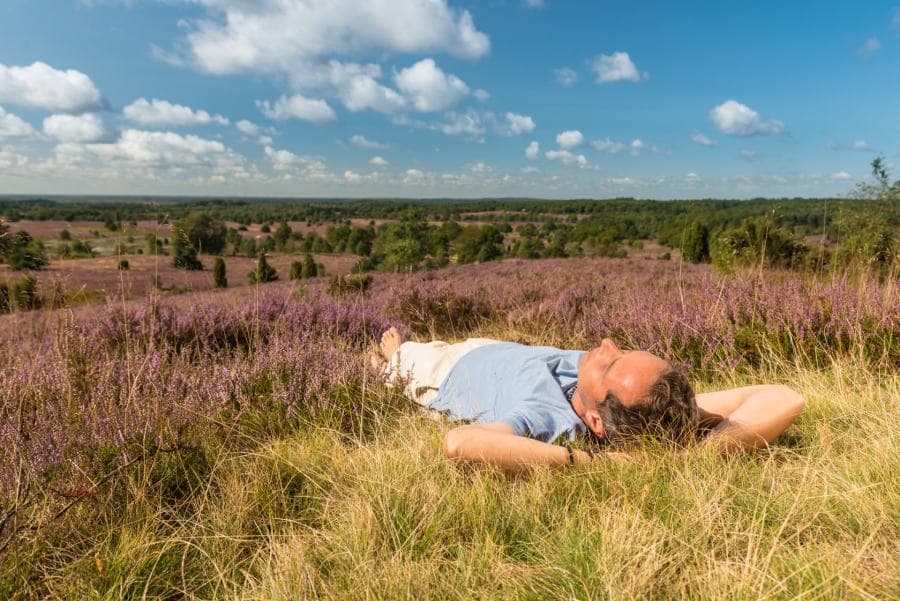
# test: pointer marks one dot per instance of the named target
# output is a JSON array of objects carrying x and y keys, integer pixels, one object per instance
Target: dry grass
[{"x": 320, "y": 514}]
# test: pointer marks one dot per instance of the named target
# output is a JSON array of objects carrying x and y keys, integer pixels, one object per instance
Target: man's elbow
[
  {"x": 793, "y": 402},
  {"x": 453, "y": 443}
]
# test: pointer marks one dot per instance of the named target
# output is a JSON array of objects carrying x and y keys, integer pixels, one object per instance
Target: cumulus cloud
[
  {"x": 736, "y": 119},
  {"x": 277, "y": 37},
  {"x": 702, "y": 140},
  {"x": 750, "y": 156},
  {"x": 298, "y": 107},
  {"x": 861, "y": 145},
  {"x": 357, "y": 87},
  {"x": 566, "y": 157},
  {"x": 378, "y": 161},
  {"x": 360, "y": 141},
  {"x": 570, "y": 139},
  {"x": 468, "y": 124},
  {"x": 41, "y": 86},
  {"x": 617, "y": 66},
  {"x": 146, "y": 147},
  {"x": 480, "y": 167},
  {"x": 429, "y": 88},
  {"x": 608, "y": 146},
  {"x": 10, "y": 158},
  {"x": 287, "y": 161},
  {"x": 565, "y": 76},
  {"x": 869, "y": 47},
  {"x": 412, "y": 176},
  {"x": 533, "y": 150},
  {"x": 13, "y": 126},
  {"x": 515, "y": 125},
  {"x": 162, "y": 112},
  {"x": 841, "y": 176},
  {"x": 248, "y": 128},
  {"x": 74, "y": 128},
  {"x": 534, "y": 3},
  {"x": 623, "y": 181}
]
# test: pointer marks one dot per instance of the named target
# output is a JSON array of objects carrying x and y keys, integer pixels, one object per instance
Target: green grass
[{"x": 317, "y": 513}]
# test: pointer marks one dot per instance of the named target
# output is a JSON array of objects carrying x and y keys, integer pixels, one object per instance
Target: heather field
[{"x": 230, "y": 444}]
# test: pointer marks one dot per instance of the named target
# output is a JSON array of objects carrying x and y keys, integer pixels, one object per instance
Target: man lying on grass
[{"x": 521, "y": 399}]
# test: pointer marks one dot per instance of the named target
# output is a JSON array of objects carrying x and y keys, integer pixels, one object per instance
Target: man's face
[{"x": 606, "y": 369}]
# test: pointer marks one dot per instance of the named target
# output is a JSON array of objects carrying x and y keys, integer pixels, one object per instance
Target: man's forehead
[{"x": 631, "y": 377}]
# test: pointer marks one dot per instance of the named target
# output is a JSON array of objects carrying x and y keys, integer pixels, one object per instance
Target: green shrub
[
  {"x": 296, "y": 270},
  {"x": 757, "y": 241},
  {"x": 263, "y": 272},
  {"x": 355, "y": 283},
  {"x": 24, "y": 294},
  {"x": 219, "y": 278},
  {"x": 4, "y": 298}
]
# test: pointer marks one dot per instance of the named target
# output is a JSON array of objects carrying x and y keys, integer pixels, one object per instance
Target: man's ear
[{"x": 595, "y": 422}]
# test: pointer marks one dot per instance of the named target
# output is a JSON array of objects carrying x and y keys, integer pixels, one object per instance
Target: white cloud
[
  {"x": 702, "y": 140},
  {"x": 841, "y": 176},
  {"x": 411, "y": 176},
  {"x": 570, "y": 139},
  {"x": 357, "y": 87},
  {"x": 13, "y": 126},
  {"x": 530, "y": 169},
  {"x": 145, "y": 147},
  {"x": 736, "y": 119},
  {"x": 307, "y": 166},
  {"x": 534, "y": 3},
  {"x": 360, "y": 141},
  {"x": 860, "y": 145},
  {"x": 264, "y": 140},
  {"x": 480, "y": 167},
  {"x": 533, "y": 150},
  {"x": 161, "y": 112},
  {"x": 74, "y": 128},
  {"x": 298, "y": 107},
  {"x": 566, "y": 157},
  {"x": 10, "y": 158},
  {"x": 749, "y": 155},
  {"x": 565, "y": 76},
  {"x": 429, "y": 88},
  {"x": 248, "y": 128},
  {"x": 623, "y": 181},
  {"x": 608, "y": 146},
  {"x": 895, "y": 19},
  {"x": 41, "y": 86},
  {"x": 617, "y": 66},
  {"x": 516, "y": 125},
  {"x": 351, "y": 176},
  {"x": 464, "y": 124},
  {"x": 281, "y": 37},
  {"x": 378, "y": 161},
  {"x": 869, "y": 47},
  {"x": 481, "y": 95}
]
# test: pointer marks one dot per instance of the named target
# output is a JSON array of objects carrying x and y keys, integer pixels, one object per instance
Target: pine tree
[
  {"x": 296, "y": 270},
  {"x": 219, "y": 278},
  {"x": 309, "y": 269},
  {"x": 263, "y": 272}
]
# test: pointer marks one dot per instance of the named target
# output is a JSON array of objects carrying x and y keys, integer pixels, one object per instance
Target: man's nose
[{"x": 609, "y": 346}]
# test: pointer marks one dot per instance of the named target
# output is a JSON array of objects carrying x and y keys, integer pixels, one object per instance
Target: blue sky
[{"x": 423, "y": 98}]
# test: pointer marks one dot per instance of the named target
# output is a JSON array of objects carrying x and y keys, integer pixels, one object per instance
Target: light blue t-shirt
[{"x": 517, "y": 384}]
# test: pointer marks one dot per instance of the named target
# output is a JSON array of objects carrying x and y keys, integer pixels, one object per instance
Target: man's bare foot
[{"x": 390, "y": 342}]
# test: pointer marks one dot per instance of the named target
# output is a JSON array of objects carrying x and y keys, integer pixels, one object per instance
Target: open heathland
[{"x": 231, "y": 444}]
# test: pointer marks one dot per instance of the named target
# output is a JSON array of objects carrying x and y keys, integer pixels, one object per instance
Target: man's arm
[
  {"x": 498, "y": 444},
  {"x": 750, "y": 417}
]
